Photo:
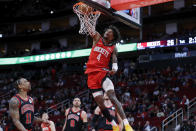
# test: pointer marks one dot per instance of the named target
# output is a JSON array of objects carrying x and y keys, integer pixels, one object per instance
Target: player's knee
[
  {"x": 99, "y": 99},
  {"x": 108, "y": 85}
]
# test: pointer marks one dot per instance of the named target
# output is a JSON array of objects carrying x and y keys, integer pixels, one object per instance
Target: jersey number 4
[
  {"x": 72, "y": 123},
  {"x": 28, "y": 118},
  {"x": 99, "y": 57}
]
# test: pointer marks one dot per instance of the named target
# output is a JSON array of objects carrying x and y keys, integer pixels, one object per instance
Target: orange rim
[{"x": 81, "y": 3}]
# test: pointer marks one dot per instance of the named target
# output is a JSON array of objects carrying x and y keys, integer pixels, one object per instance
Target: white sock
[
  {"x": 125, "y": 121},
  {"x": 113, "y": 123}
]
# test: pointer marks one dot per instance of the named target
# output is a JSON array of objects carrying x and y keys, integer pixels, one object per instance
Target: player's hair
[
  {"x": 17, "y": 83},
  {"x": 76, "y": 97},
  {"x": 44, "y": 112},
  {"x": 116, "y": 33}
]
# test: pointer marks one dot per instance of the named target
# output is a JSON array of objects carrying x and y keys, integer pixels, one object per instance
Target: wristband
[{"x": 115, "y": 66}]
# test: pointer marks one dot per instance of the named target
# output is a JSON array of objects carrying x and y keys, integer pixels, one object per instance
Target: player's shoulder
[
  {"x": 42, "y": 125},
  {"x": 14, "y": 102},
  {"x": 51, "y": 122},
  {"x": 13, "y": 99},
  {"x": 83, "y": 114},
  {"x": 67, "y": 110},
  {"x": 97, "y": 110}
]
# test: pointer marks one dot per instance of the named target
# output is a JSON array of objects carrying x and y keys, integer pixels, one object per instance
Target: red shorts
[{"x": 95, "y": 79}]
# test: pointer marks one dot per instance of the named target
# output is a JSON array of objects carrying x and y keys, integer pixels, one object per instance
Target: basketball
[{"x": 85, "y": 9}]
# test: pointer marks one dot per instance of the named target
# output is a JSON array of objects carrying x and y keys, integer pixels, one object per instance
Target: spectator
[
  {"x": 191, "y": 125},
  {"x": 160, "y": 114},
  {"x": 185, "y": 126},
  {"x": 138, "y": 126},
  {"x": 176, "y": 89},
  {"x": 185, "y": 101},
  {"x": 130, "y": 118},
  {"x": 147, "y": 126},
  {"x": 1, "y": 128},
  {"x": 56, "y": 112}
]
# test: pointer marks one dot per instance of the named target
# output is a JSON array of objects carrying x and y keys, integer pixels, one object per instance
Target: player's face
[
  {"x": 106, "y": 98},
  {"x": 25, "y": 84},
  {"x": 108, "y": 35},
  {"x": 76, "y": 102},
  {"x": 45, "y": 116}
]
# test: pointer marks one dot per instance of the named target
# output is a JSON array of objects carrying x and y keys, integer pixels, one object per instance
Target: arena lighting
[
  {"x": 122, "y": 41},
  {"x": 51, "y": 12},
  {"x": 85, "y": 52},
  {"x": 1, "y": 35},
  {"x": 60, "y": 55}
]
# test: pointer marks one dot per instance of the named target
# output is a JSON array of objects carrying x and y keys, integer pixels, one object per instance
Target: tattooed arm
[
  {"x": 114, "y": 62},
  {"x": 36, "y": 119},
  {"x": 14, "y": 113}
]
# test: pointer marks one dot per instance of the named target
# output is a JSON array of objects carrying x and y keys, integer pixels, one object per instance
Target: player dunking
[
  {"x": 102, "y": 51},
  {"x": 46, "y": 126},
  {"x": 102, "y": 122},
  {"x": 76, "y": 119},
  {"x": 21, "y": 108}
]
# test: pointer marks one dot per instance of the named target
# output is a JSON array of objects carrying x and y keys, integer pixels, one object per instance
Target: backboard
[{"x": 130, "y": 17}]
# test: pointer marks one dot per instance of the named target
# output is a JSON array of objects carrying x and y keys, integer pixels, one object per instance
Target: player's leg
[
  {"x": 95, "y": 85},
  {"x": 109, "y": 89},
  {"x": 98, "y": 96}
]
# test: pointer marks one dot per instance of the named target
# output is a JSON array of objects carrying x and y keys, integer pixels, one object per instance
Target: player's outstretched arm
[
  {"x": 120, "y": 121},
  {"x": 85, "y": 121},
  {"x": 96, "y": 38},
  {"x": 93, "y": 33},
  {"x": 14, "y": 113},
  {"x": 66, "y": 113},
  {"x": 114, "y": 62}
]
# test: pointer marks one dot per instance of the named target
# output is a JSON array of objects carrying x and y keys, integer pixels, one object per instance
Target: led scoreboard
[
  {"x": 154, "y": 44},
  {"x": 186, "y": 41}
]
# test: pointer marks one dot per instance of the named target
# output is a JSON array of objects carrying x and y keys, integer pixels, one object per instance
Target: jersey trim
[
  {"x": 22, "y": 98},
  {"x": 74, "y": 111}
]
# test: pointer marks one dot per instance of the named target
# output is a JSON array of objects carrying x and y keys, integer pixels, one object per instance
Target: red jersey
[
  {"x": 99, "y": 57},
  {"x": 45, "y": 127}
]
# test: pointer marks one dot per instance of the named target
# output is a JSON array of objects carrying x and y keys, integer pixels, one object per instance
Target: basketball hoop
[{"x": 88, "y": 18}]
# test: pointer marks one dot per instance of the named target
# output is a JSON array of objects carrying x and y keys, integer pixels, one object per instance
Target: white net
[{"x": 88, "y": 18}]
